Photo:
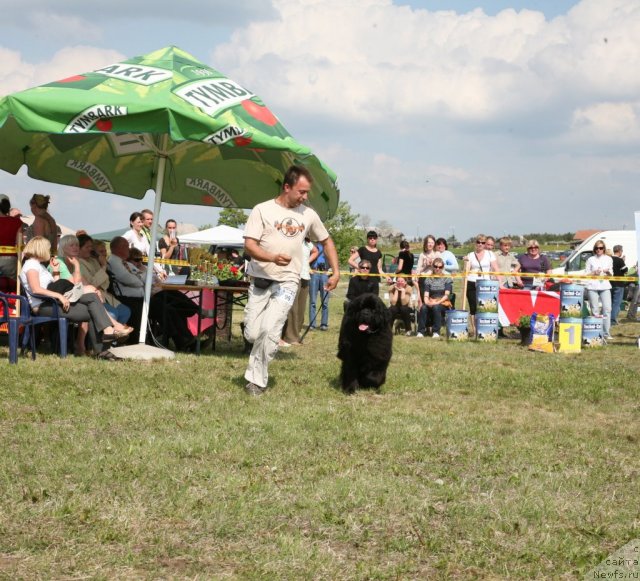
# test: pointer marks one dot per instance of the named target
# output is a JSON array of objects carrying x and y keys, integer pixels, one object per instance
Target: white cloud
[
  {"x": 607, "y": 123},
  {"x": 16, "y": 75},
  {"x": 373, "y": 62}
]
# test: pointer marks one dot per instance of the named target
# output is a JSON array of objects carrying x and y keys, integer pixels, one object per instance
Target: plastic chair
[{"x": 28, "y": 321}]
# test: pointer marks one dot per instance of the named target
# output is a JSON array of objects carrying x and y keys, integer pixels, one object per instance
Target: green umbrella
[{"x": 163, "y": 121}]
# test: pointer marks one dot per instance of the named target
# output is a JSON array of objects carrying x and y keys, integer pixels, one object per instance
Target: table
[
  {"x": 513, "y": 303},
  {"x": 220, "y": 295}
]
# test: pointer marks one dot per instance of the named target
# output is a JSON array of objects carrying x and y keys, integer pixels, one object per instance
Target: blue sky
[{"x": 438, "y": 117}]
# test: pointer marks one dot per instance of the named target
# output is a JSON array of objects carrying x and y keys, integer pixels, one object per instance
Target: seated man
[
  {"x": 165, "y": 307},
  {"x": 399, "y": 303},
  {"x": 435, "y": 300},
  {"x": 359, "y": 285}
]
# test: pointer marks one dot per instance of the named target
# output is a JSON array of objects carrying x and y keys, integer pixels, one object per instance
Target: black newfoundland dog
[{"x": 365, "y": 343}]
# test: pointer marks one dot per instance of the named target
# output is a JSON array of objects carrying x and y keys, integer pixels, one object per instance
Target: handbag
[{"x": 65, "y": 287}]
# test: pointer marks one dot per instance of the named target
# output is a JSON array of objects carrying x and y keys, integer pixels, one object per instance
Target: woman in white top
[
  {"x": 136, "y": 237},
  {"x": 477, "y": 262},
  {"x": 36, "y": 279},
  {"x": 599, "y": 290}
]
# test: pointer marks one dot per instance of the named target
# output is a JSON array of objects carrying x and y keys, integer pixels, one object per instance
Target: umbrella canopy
[
  {"x": 162, "y": 121},
  {"x": 108, "y": 129},
  {"x": 220, "y": 236}
]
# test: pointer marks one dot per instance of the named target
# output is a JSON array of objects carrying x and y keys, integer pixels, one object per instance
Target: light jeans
[
  {"x": 595, "y": 298},
  {"x": 316, "y": 285},
  {"x": 264, "y": 316}
]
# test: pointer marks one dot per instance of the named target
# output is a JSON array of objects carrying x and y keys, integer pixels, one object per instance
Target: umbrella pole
[{"x": 162, "y": 160}]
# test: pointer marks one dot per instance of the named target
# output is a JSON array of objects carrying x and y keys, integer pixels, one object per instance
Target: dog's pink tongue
[{"x": 363, "y": 327}]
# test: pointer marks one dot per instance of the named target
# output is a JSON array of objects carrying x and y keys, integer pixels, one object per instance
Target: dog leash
[{"x": 324, "y": 295}]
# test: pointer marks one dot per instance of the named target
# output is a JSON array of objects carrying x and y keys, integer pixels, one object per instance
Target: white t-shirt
[
  {"x": 46, "y": 278},
  {"x": 281, "y": 230},
  {"x": 596, "y": 263},
  {"x": 140, "y": 242},
  {"x": 484, "y": 265}
]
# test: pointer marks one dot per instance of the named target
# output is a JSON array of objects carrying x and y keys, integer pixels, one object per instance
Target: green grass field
[{"x": 475, "y": 460}]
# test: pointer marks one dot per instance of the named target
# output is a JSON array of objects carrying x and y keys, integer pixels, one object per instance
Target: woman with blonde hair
[
  {"x": 533, "y": 262},
  {"x": 476, "y": 263},
  {"x": 36, "y": 280},
  {"x": 599, "y": 290}
]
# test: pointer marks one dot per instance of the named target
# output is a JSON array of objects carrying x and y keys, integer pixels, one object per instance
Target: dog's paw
[{"x": 350, "y": 388}]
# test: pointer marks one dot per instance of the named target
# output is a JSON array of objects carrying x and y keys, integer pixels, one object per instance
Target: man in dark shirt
[{"x": 617, "y": 286}]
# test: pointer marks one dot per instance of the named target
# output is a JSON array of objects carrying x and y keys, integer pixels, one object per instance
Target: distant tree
[
  {"x": 383, "y": 226},
  {"x": 205, "y": 227},
  {"x": 343, "y": 228},
  {"x": 234, "y": 217},
  {"x": 365, "y": 222}
]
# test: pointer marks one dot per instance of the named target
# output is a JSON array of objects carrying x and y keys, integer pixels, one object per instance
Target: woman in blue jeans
[
  {"x": 435, "y": 300},
  {"x": 599, "y": 290}
]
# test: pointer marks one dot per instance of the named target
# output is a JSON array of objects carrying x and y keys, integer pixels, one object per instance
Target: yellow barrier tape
[{"x": 560, "y": 277}]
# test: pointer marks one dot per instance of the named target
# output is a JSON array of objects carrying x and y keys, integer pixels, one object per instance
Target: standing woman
[
  {"x": 599, "y": 291},
  {"x": 425, "y": 260},
  {"x": 450, "y": 261},
  {"x": 43, "y": 223},
  {"x": 370, "y": 253},
  {"x": 533, "y": 262},
  {"x": 10, "y": 237},
  {"x": 477, "y": 262},
  {"x": 36, "y": 279},
  {"x": 353, "y": 253},
  {"x": 405, "y": 262},
  {"x": 136, "y": 236}
]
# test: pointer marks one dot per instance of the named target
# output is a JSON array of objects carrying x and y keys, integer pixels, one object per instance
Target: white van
[{"x": 577, "y": 260}]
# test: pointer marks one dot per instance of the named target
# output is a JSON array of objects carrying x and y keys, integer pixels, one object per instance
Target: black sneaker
[
  {"x": 253, "y": 389},
  {"x": 324, "y": 328}
]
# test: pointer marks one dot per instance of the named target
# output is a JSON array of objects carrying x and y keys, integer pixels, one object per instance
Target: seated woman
[
  {"x": 170, "y": 248},
  {"x": 359, "y": 285},
  {"x": 69, "y": 268},
  {"x": 435, "y": 301},
  {"x": 36, "y": 279},
  {"x": 399, "y": 303},
  {"x": 533, "y": 262},
  {"x": 92, "y": 257},
  {"x": 10, "y": 238}
]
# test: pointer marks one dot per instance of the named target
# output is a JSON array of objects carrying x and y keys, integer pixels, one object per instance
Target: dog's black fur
[{"x": 365, "y": 343}]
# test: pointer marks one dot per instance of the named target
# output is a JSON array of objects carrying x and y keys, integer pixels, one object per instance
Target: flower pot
[{"x": 525, "y": 335}]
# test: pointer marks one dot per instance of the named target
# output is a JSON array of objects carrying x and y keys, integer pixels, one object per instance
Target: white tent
[{"x": 220, "y": 236}]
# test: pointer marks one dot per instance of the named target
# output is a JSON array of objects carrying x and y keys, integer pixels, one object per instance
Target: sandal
[{"x": 108, "y": 356}]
